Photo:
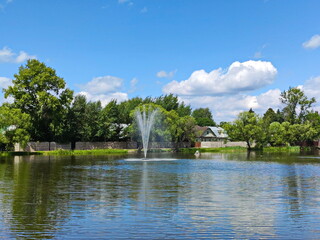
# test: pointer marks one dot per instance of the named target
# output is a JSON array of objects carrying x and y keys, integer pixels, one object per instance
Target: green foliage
[
  {"x": 247, "y": 127},
  {"x": 203, "y": 117},
  {"x": 39, "y": 92},
  {"x": 278, "y": 134},
  {"x": 295, "y": 99},
  {"x": 85, "y": 152},
  {"x": 168, "y": 125},
  {"x": 13, "y": 126}
]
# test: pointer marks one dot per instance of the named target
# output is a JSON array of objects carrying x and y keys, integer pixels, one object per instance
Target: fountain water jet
[{"x": 145, "y": 119}]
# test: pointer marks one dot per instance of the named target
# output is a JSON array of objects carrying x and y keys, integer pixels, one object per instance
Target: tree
[
  {"x": 13, "y": 126},
  {"x": 184, "y": 110},
  {"x": 39, "y": 92},
  {"x": 91, "y": 121},
  {"x": 109, "y": 122},
  {"x": 168, "y": 102},
  {"x": 269, "y": 117},
  {"x": 75, "y": 120},
  {"x": 295, "y": 99},
  {"x": 247, "y": 127},
  {"x": 203, "y": 117},
  {"x": 277, "y": 134},
  {"x": 126, "y": 107}
]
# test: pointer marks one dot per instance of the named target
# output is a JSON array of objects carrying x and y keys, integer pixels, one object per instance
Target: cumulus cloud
[
  {"x": 226, "y": 108},
  {"x": 105, "y": 89},
  {"x": 8, "y": 56},
  {"x": 239, "y": 77},
  {"x": 164, "y": 74},
  {"x": 313, "y": 42},
  {"x": 5, "y": 82},
  {"x": 105, "y": 98},
  {"x": 105, "y": 84},
  {"x": 312, "y": 88}
]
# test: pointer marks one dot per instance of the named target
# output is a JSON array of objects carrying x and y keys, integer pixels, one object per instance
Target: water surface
[{"x": 241, "y": 196}]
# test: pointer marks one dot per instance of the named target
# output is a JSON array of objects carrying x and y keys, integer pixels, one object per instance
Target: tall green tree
[
  {"x": 91, "y": 122},
  {"x": 247, "y": 127},
  {"x": 269, "y": 116},
  {"x": 203, "y": 117},
  {"x": 13, "y": 127},
  {"x": 297, "y": 105},
  {"x": 39, "y": 92},
  {"x": 75, "y": 120},
  {"x": 109, "y": 122}
]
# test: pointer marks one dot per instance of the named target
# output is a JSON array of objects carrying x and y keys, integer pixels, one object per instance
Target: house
[{"x": 210, "y": 134}]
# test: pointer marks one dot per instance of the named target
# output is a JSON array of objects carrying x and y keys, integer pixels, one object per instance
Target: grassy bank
[
  {"x": 9, "y": 153},
  {"x": 281, "y": 149},
  {"x": 222, "y": 149},
  {"x": 84, "y": 152}
]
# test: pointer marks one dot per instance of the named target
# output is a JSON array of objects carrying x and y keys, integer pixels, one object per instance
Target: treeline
[
  {"x": 296, "y": 124},
  {"x": 43, "y": 109}
]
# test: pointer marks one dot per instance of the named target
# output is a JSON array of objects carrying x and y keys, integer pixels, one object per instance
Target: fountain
[{"x": 145, "y": 119}]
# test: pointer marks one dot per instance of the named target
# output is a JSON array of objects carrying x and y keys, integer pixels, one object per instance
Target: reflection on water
[{"x": 242, "y": 196}]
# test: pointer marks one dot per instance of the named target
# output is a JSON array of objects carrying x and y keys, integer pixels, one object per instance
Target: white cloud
[
  {"x": 7, "y": 56},
  {"x": 105, "y": 89},
  {"x": 105, "y": 98},
  {"x": 312, "y": 88},
  {"x": 226, "y": 108},
  {"x": 5, "y": 82},
  {"x": 164, "y": 74},
  {"x": 239, "y": 77},
  {"x": 101, "y": 85},
  {"x": 313, "y": 42}
]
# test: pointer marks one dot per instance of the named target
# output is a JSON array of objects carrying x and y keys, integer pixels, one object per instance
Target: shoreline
[{"x": 158, "y": 150}]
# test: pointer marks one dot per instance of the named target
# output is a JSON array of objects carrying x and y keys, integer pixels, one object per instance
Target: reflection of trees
[
  {"x": 299, "y": 185},
  {"x": 37, "y": 206},
  {"x": 45, "y": 192}
]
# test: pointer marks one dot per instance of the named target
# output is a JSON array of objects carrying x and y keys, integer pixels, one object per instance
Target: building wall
[
  {"x": 42, "y": 146},
  {"x": 222, "y": 144}
]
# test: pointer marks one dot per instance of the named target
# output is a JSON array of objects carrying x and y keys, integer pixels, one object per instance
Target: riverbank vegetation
[
  {"x": 296, "y": 124},
  {"x": 44, "y": 109},
  {"x": 50, "y": 112}
]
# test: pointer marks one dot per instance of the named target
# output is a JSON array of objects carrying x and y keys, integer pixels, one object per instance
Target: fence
[
  {"x": 221, "y": 144},
  {"x": 51, "y": 146}
]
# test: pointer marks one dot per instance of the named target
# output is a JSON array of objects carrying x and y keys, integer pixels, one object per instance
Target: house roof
[{"x": 217, "y": 131}]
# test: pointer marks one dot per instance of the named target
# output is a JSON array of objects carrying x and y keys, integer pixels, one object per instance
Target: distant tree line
[
  {"x": 43, "y": 109},
  {"x": 295, "y": 124}
]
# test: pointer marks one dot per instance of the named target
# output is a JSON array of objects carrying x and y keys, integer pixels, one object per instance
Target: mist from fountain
[{"x": 145, "y": 119}]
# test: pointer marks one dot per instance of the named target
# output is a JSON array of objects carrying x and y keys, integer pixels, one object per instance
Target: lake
[{"x": 172, "y": 196}]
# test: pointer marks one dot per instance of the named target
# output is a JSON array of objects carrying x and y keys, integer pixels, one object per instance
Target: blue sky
[{"x": 225, "y": 55}]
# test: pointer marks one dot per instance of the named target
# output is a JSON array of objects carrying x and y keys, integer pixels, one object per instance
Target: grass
[
  {"x": 9, "y": 153},
  {"x": 85, "y": 152},
  {"x": 281, "y": 149},
  {"x": 126, "y": 151},
  {"x": 221, "y": 149}
]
